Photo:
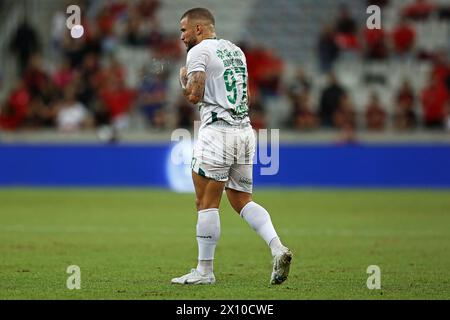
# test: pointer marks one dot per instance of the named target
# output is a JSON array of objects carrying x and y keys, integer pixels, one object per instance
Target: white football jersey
[{"x": 226, "y": 85}]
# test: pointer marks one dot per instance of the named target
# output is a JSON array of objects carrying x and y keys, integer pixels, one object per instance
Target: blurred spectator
[
  {"x": 444, "y": 12},
  {"x": 152, "y": 98},
  {"x": 35, "y": 76},
  {"x": 168, "y": 48},
  {"x": 118, "y": 8},
  {"x": 300, "y": 84},
  {"x": 303, "y": 116},
  {"x": 72, "y": 115},
  {"x": 265, "y": 70},
  {"x": 74, "y": 50},
  {"x": 328, "y": 51},
  {"x": 105, "y": 20},
  {"x": 441, "y": 68},
  {"x": 403, "y": 37},
  {"x": 134, "y": 35},
  {"x": 345, "y": 119},
  {"x": 434, "y": 102},
  {"x": 270, "y": 80},
  {"x": 92, "y": 39},
  {"x": 404, "y": 115},
  {"x": 345, "y": 23},
  {"x": 107, "y": 84},
  {"x": 345, "y": 115},
  {"x": 118, "y": 101},
  {"x": 330, "y": 100},
  {"x": 185, "y": 113},
  {"x": 148, "y": 8},
  {"x": 256, "y": 112},
  {"x": 380, "y": 3},
  {"x": 43, "y": 110},
  {"x": 346, "y": 29},
  {"x": 419, "y": 10},
  {"x": 114, "y": 69},
  {"x": 16, "y": 110},
  {"x": 375, "y": 47},
  {"x": 107, "y": 24},
  {"x": 87, "y": 83},
  {"x": 141, "y": 30},
  {"x": 64, "y": 75},
  {"x": 155, "y": 39},
  {"x": 24, "y": 44},
  {"x": 375, "y": 114}
]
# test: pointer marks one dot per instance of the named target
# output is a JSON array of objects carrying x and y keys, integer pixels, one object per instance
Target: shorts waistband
[{"x": 223, "y": 123}]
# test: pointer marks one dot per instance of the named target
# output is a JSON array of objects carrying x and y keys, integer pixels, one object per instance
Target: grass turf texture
[{"x": 130, "y": 243}]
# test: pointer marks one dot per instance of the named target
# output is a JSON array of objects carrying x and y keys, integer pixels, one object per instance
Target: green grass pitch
[{"x": 129, "y": 243}]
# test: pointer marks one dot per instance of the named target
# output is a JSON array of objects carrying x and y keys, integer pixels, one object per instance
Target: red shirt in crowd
[
  {"x": 63, "y": 77},
  {"x": 403, "y": 37},
  {"x": 17, "y": 110},
  {"x": 418, "y": 10},
  {"x": 347, "y": 41},
  {"x": 262, "y": 65},
  {"x": 434, "y": 99},
  {"x": 374, "y": 37},
  {"x": 117, "y": 101},
  {"x": 106, "y": 21},
  {"x": 441, "y": 71},
  {"x": 35, "y": 80}
]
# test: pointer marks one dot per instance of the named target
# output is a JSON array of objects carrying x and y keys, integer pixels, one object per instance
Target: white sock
[
  {"x": 208, "y": 233},
  {"x": 276, "y": 245},
  {"x": 259, "y": 219},
  {"x": 205, "y": 266}
]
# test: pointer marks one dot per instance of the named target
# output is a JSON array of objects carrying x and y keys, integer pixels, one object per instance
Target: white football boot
[
  {"x": 195, "y": 277},
  {"x": 281, "y": 265}
]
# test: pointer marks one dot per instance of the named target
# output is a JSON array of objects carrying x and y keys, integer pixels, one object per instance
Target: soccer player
[{"x": 215, "y": 78}]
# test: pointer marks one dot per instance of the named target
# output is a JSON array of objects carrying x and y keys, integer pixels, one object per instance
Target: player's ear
[{"x": 198, "y": 29}]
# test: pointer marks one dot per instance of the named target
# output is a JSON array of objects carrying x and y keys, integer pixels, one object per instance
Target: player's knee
[
  {"x": 241, "y": 206},
  {"x": 203, "y": 204},
  {"x": 239, "y": 203}
]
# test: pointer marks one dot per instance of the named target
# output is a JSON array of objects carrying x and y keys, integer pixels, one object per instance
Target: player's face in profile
[{"x": 188, "y": 35}]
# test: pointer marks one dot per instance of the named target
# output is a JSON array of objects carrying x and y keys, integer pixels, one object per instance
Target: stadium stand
[{"x": 136, "y": 43}]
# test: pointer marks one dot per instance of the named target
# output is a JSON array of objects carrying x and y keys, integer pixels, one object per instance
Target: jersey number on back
[{"x": 230, "y": 76}]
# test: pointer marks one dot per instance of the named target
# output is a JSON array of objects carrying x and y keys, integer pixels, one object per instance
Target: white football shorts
[{"x": 225, "y": 153}]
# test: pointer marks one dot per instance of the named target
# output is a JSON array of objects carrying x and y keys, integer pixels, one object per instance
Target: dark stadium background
[
  {"x": 384, "y": 123},
  {"x": 357, "y": 109}
]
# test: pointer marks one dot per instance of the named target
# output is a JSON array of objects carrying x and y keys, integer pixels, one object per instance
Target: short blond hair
[{"x": 199, "y": 14}]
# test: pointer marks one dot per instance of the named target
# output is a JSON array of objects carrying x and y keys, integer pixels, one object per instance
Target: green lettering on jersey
[
  {"x": 230, "y": 84},
  {"x": 213, "y": 116},
  {"x": 235, "y": 74}
]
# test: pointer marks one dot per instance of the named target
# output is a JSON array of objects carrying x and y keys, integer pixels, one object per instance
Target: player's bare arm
[
  {"x": 183, "y": 77},
  {"x": 193, "y": 85}
]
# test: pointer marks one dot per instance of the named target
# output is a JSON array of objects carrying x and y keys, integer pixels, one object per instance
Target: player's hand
[{"x": 183, "y": 77}]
